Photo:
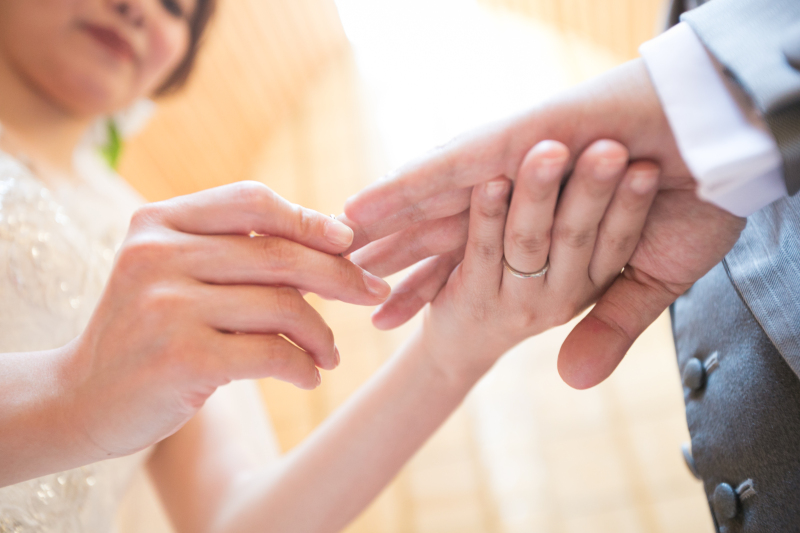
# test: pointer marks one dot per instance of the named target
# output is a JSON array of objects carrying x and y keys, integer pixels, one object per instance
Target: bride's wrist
[
  {"x": 81, "y": 403},
  {"x": 458, "y": 359},
  {"x": 38, "y": 422},
  {"x": 67, "y": 408},
  {"x": 71, "y": 413}
]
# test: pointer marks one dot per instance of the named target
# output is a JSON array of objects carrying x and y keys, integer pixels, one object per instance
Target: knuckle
[
  {"x": 493, "y": 210},
  {"x": 536, "y": 193},
  {"x": 574, "y": 237},
  {"x": 530, "y": 243},
  {"x": 305, "y": 222},
  {"x": 142, "y": 252},
  {"x": 278, "y": 254},
  {"x": 486, "y": 251},
  {"x": 286, "y": 364},
  {"x": 345, "y": 275},
  {"x": 163, "y": 301},
  {"x": 278, "y": 359},
  {"x": 416, "y": 214},
  {"x": 619, "y": 244},
  {"x": 254, "y": 194},
  {"x": 145, "y": 216},
  {"x": 289, "y": 302},
  {"x": 349, "y": 274}
]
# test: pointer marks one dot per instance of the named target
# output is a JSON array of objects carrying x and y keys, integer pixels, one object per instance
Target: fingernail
[
  {"x": 643, "y": 182},
  {"x": 336, "y": 357},
  {"x": 338, "y": 233},
  {"x": 496, "y": 188},
  {"x": 319, "y": 377},
  {"x": 607, "y": 168},
  {"x": 376, "y": 286},
  {"x": 550, "y": 169}
]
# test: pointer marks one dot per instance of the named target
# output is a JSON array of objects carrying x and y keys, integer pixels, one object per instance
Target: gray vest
[{"x": 737, "y": 330}]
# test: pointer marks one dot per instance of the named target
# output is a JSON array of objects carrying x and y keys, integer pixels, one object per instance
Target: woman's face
[{"x": 94, "y": 56}]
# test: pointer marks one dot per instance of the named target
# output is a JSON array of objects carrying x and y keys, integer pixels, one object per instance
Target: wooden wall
[
  {"x": 619, "y": 26},
  {"x": 259, "y": 59}
]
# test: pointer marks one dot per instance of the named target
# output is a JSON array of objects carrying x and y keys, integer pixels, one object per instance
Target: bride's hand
[
  {"x": 586, "y": 237},
  {"x": 194, "y": 302}
]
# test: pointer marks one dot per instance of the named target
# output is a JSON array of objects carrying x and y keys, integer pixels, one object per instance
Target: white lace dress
[{"x": 56, "y": 251}]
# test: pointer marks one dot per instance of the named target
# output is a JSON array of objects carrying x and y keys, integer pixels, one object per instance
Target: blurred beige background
[{"x": 317, "y": 102}]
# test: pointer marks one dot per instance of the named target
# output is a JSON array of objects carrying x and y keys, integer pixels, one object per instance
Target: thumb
[{"x": 595, "y": 347}]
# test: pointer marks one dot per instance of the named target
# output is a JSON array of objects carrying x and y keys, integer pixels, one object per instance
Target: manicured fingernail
[
  {"x": 376, "y": 286},
  {"x": 336, "y": 357},
  {"x": 338, "y": 233},
  {"x": 643, "y": 182},
  {"x": 319, "y": 377},
  {"x": 496, "y": 188}
]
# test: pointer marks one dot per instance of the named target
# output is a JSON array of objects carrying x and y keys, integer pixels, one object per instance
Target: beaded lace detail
[
  {"x": 56, "y": 252},
  {"x": 50, "y": 262}
]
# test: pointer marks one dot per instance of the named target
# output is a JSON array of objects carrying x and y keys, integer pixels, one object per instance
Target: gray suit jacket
[
  {"x": 758, "y": 42},
  {"x": 737, "y": 330}
]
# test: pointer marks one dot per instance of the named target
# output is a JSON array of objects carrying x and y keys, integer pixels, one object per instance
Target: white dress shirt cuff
[{"x": 721, "y": 137}]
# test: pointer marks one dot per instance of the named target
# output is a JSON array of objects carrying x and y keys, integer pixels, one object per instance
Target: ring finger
[{"x": 526, "y": 242}]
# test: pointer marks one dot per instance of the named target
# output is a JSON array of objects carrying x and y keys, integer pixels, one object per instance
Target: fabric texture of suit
[
  {"x": 751, "y": 38},
  {"x": 744, "y": 416},
  {"x": 737, "y": 330}
]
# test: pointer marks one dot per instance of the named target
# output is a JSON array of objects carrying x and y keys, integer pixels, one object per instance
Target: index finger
[
  {"x": 463, "y": 162},
  {"x": 429, "y": 210},
  {"x": 248, "y": 206}
]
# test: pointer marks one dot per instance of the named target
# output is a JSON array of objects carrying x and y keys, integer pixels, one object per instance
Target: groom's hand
[{"x": 422, "y": 204}]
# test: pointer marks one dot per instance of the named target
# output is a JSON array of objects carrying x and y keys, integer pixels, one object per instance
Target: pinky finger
[
  {"x": 623, "y": 222},
  {"x": 417, "y": 289},
  {"x": 255, "y": 356}
]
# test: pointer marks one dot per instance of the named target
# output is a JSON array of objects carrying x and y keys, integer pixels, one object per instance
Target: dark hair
[{"x": 203, "y": 11}]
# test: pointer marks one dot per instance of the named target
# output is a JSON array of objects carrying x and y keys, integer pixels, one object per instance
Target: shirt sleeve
[{"x": 722, "y": 138}]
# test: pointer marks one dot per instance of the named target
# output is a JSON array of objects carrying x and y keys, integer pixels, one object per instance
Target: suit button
[
  {"x": 791, "y": 47},
  {"x": 688, "y": 458},
  {"x": 725, "y": 501},
  {"x": 694, "y": 374}
]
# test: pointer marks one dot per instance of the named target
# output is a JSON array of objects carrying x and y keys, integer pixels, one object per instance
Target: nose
[{"x": 130, "y": 11}]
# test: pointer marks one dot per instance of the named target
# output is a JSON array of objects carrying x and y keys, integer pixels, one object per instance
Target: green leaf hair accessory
[{"x": 112, "y": 149}]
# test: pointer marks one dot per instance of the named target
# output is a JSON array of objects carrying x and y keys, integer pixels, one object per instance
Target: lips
[{"x": 112, "y": 41}]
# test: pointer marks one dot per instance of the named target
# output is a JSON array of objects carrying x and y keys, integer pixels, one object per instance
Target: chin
[{"x": 89, "y": 90}]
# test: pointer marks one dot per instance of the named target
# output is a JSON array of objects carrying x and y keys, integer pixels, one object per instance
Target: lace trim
[{"x": 51, "y": 263}]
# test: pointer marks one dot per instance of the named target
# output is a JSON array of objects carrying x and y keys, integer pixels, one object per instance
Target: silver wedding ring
[{"x": 526, "y": 275}]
